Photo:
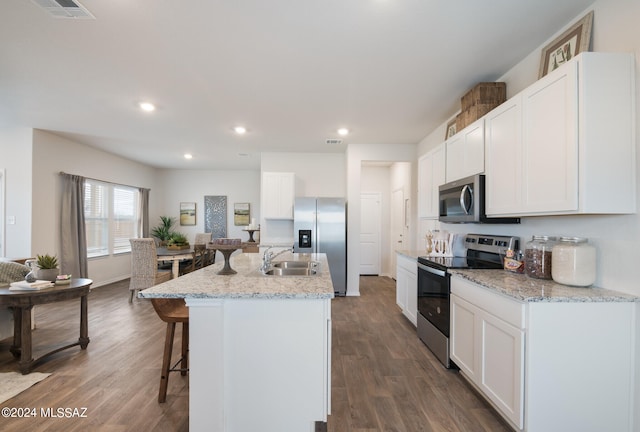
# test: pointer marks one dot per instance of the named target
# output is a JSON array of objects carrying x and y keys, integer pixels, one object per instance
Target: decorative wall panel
[{"x": 215, "y": 215}]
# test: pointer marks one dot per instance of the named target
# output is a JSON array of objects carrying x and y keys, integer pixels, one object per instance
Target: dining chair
[
  {"x": 200, "y": 259},
  {"x": 144, "y": 266},
  {"x": 172, "y": 311},
  {"x": 205, "y": 238},
  {"x": 202, "y": 238}
]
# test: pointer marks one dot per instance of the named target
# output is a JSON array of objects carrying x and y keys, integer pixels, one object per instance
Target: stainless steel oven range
[{"x": 483, "y": 252}]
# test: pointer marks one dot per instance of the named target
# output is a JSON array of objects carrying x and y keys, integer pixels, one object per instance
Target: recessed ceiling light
[
  {"x": 240, "y": 130},
  {"x": 188, "y": 156},
  {"x": 243, "y": 154},
  {"x": 147, "y": 106},
  {"x": 343, "y": 131}
]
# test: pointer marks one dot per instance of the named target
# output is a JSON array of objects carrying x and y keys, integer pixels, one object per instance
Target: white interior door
[
  {"x": 397, "y": 226},
  {"x": 370, "y": 232}
]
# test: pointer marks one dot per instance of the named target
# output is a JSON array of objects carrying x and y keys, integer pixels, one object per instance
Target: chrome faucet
[{"x": 268, "y": 256}]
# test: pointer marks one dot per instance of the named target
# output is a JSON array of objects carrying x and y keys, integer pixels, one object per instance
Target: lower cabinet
[
  {"x": 490, "y": 352},
  {"x": 259, "y": 364},
  {"x": 547, "y": 366},
  {"x": 407, "y": 287}
]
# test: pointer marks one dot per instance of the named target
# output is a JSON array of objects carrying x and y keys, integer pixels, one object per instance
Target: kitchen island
[
  {"x": 259, "y": 346},
  {"x": 548, "y": 357}
]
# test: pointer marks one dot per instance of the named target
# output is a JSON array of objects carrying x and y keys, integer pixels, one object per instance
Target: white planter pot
[{"x": 47, "y": 274}]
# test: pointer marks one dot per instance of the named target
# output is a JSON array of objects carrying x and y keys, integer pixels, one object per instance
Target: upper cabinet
[
  {"x": 465, "y": 152},
  {"x": 278, "y": 192},
  {"x": 431, "y": 174},
  {"x": 566, "y": 144}
]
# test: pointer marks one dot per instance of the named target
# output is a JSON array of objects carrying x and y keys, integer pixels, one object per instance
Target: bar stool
[{"x": 172, "y": 311}]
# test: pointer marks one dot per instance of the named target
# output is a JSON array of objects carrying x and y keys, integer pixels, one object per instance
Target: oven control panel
[{"x": 491, "y": 243}]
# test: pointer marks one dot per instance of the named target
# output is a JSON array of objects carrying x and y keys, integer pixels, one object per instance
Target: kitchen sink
[
  {"x": 299, "y": 271},
  {"x": 296, "y": 264}
]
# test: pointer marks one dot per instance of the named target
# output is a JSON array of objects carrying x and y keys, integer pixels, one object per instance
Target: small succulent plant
[{"x": 47, "y": 261}]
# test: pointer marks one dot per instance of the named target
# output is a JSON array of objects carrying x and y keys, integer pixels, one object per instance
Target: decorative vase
[{"x": 47, "y": 274}]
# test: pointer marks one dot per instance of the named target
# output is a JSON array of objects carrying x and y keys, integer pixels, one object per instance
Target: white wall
[
  {"x": 616, "y": 237},
  {"x": 239, "y": 186},
  {"x": 16, "y": 150},
  {"x": 53, "y": 154},
  {"x": 356, "y": 154},
  {"x": 316, "y": 175}
]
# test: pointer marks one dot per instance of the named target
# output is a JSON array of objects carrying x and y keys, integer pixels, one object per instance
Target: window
[{"x": 111, "y": 217}]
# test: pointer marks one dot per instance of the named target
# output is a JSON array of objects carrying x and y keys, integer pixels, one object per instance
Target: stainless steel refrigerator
[{"x": 320, "y": 226}]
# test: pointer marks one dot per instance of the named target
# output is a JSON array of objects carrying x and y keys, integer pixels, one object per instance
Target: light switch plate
[{"x": 11, "y": 220}]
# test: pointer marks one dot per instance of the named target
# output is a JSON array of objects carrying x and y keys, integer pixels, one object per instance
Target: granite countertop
[
  {"x": 413, "y": 254},
  {"x": 523, "y": 288},
  {"x": 249, "y": 282}
]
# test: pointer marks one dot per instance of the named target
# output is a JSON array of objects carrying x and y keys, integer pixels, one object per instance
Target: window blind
[{"x": 111, "y": 217}]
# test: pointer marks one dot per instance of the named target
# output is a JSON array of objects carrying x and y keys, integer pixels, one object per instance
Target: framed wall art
[
  {"x": 451, "y": 129},
  {"x": 187, "y": 213},
  {"x": 565, "y": 47},
  {"x": 241, "y": 214}
]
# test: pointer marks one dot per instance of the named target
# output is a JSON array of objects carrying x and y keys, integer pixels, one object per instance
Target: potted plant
[
  {"x": 164, "y": 231},
  {"x": 178, "y": 241},
  {"x": 47, "y": 267}
]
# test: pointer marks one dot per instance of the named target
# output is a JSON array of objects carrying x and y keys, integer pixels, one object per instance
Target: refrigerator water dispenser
[{"x": 304, "y": 238}]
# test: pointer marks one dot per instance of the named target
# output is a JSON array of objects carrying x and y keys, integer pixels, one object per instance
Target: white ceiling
[{"x": 291, "y": 71}]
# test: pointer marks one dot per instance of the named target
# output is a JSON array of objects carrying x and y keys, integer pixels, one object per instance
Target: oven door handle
[{"x": 431, "y": 270}]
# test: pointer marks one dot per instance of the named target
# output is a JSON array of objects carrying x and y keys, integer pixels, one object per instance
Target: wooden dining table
[{"x": 175, "y": 256}]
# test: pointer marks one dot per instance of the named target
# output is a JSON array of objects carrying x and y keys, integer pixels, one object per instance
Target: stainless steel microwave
[{"x": 463, "y": 201}]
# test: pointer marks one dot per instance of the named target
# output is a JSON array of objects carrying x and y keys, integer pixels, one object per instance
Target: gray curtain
[
  {"x": 73, "y": 240},
  {"x": 143, "y": 211}
]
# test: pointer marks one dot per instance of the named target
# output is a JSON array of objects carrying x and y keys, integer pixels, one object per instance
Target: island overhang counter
[{"x": 259, "y": 346}]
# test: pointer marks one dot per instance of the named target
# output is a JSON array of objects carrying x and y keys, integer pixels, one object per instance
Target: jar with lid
[
  {"x": 538, "y": 256},
  {"x": 574, "y": 262}
]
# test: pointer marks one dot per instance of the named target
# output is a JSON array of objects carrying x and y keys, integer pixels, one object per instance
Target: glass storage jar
[
  {"x": 538, "y": 256},
  {"x": 574, "y": 262}
]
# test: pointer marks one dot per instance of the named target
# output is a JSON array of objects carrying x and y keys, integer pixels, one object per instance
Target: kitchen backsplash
[{"x": 613, "y": 235}]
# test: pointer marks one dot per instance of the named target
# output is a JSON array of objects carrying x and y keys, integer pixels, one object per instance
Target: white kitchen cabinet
[
  {"x": 565, "y": 379},
  {"x": 465, "y": 152},
  {"x": 565, "y": 145},
  {"x": 431, "y": 174},
  {"x": 503, "y": 179},
  {"x": 261, "y": 364},
  {"x": 278, "y": 192},
  {"x": 407, "y": 287},
  {"x": 488, "y": 348}
]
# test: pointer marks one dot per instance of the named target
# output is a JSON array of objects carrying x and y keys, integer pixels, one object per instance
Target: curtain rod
[{"x": 104, "y": 181}]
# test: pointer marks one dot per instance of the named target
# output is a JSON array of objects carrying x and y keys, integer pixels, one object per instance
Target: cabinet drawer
[
  {"x": 409, "y": 264},
  {"x": 505, "y": 308}
]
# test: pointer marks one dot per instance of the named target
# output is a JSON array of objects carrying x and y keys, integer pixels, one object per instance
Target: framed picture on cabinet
[
  {"x": 451, "y": 129},
  {"x": 565, "y": 47},
  {"x": 187, "y": 213}
]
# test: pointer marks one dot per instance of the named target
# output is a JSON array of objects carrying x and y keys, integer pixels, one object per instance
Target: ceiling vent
[
  {"x": 334, "y": 141},
  {"x": 64, "y": 9}
]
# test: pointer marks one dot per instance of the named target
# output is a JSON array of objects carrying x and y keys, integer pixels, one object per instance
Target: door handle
[{"x": 466, "y": 189}]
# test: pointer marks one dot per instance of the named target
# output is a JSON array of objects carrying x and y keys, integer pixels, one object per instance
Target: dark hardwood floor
[{"x": 383, "y": 377}]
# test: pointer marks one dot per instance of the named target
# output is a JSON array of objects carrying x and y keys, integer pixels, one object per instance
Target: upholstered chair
[{"x": 144, "y": 266}]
